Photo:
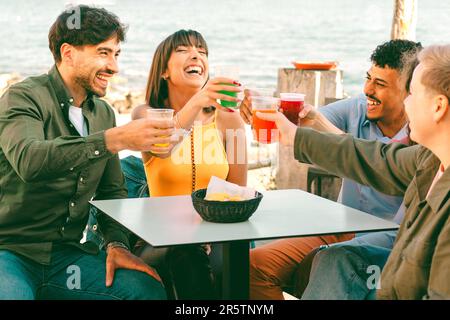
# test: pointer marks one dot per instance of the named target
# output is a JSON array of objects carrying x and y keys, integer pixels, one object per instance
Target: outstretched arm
[{"x": 387, "y": 168}]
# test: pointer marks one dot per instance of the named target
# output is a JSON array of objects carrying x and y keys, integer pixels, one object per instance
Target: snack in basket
[{"x": 222, "y": 196}]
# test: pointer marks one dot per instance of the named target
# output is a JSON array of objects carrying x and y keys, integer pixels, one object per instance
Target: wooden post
[
  {"x": 319, "y": 86},
  {"x": 405, "y": 20}
]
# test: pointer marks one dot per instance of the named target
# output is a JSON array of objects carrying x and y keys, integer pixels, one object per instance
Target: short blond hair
[{"x": 436, "y": 73}]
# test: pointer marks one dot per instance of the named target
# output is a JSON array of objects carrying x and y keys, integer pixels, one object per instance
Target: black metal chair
[{"x": 314, "y": 178}]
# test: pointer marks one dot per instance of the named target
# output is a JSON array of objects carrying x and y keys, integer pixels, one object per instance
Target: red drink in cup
[
  {"x": 292, "y": 104},
  {"x": 264, "y": 131}
]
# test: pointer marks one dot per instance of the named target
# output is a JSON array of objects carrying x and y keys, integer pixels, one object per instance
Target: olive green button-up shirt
[
  {"x": 419, "y": 264},
  {"x": 48, "y": 172}
]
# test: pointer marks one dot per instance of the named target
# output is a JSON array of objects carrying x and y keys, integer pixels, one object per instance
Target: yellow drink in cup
[{"x": 160, "y": 114}]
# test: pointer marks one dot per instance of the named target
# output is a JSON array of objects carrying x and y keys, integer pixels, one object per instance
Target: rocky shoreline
[{"x": 119, "y": 96}]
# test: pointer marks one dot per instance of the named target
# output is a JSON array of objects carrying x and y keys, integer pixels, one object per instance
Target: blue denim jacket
[{"x": 133, "y": 170}]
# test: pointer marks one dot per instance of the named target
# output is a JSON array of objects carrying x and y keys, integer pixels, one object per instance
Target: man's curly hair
[{"x": 391, "y": 53}]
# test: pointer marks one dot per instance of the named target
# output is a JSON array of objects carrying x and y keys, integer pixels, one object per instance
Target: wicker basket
[{"x": 224, "y": 211}]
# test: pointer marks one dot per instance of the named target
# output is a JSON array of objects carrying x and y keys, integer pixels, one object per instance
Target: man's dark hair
[
  {"x": 83, "y": 25},
  {"x": 391, "y": 53}
]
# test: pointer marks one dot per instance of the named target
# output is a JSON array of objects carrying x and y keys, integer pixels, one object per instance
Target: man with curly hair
[
  {"x": 417, "y": 267},
  {"x": 377, "y": 114}
]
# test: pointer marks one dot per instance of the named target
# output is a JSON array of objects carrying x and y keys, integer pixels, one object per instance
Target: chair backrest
[{"x": 134, "y": 173}]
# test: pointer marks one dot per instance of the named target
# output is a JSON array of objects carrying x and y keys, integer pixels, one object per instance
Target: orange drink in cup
[
  {"x": 264, "y": 131},
  {"x": 160, "y": 114}
]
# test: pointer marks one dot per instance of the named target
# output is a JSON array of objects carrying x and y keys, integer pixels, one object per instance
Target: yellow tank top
[{"x": 172, "y": 176}]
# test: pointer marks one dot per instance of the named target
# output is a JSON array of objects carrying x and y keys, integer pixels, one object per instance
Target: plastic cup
[
  {"x": 292, "y": 104},
  {"x": 231, "y": 72},
  {"x": 264, "y": 131},
  {"x": 160, "y": 114},
  {"x": 266, "y": 92}
]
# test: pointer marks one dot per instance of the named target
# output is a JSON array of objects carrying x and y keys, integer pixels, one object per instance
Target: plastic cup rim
[
  {"x": 264, "y": 103},
  {"x": 292, "y": 96},
  {"x": 160, "y": 113},
  {"x": 227, "y": 71},
  {"x": 263, "y": 91}
]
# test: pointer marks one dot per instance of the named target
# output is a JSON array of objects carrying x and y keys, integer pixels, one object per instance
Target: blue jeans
[
  {"x": 348, "y": 270},
  {"x": 134, "y": 173},
  {"x": 72, "y": 274}
]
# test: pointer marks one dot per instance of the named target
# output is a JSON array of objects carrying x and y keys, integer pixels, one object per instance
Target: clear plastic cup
[
  {"x": 160, "y": 114},
  {"x": 291, "y": 104},
  {"x": 264, "y": 131},
  {"x": 231, "y": 72},
  {"x": 266, "y": 92}
]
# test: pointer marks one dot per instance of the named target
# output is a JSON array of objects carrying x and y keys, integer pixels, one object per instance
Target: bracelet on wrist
[
  {"x": 176, "y": 121},
  {"x": 116, "y": 244}
]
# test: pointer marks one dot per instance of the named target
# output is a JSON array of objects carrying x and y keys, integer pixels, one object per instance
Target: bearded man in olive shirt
[
  {"x": 418, "y": 265},
  {"x": 59, "y": 148}
]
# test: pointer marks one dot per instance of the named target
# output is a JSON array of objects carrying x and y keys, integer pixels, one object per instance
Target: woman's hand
[
  {"x": 287, "y": 128},
  {"x": 210, "y": 93}
]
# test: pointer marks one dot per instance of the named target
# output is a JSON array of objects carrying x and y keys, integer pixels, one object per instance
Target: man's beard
[
  {"x": 83, "y": 81},
  {"x": 373, "y": 119}
]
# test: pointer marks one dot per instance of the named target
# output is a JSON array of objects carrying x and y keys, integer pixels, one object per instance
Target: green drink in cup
[{"x": 231, "y": 72}]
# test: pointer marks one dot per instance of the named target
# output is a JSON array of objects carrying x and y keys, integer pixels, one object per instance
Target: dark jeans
[
  {"x": 72, "y": 274},
  {"x": 188, "y": 272}
]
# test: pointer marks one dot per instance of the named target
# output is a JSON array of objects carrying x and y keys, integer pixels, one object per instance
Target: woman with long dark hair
[{"x": 213, "y": 144}]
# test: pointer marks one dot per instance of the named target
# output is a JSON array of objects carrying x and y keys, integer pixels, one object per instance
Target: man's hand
[
  {"x": 141, "y": 135},
  {"x": 120, "y": 258},
  {"x": 287, "y": 128},
  {"x": 307, "y": 117},
  {"x": 310, "y": 117},
  {"x": 245, "y": 108}
]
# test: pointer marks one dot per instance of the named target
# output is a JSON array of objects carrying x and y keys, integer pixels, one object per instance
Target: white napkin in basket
[{"x": 221, "y": 190}]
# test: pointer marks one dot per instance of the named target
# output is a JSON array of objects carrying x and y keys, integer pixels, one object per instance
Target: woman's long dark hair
[{"x": 157, "y": 90}]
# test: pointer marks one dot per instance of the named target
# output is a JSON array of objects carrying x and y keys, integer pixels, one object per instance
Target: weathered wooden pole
[{"x": 405, "y": 20}]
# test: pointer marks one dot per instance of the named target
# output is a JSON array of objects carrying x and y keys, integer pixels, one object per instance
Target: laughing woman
[{"x": 213, "y": 144}]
